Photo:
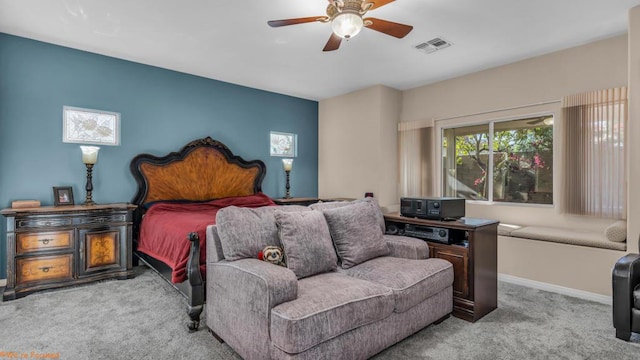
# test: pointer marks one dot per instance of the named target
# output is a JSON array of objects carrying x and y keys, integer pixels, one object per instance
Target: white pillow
[{"x": 616, "y": 232}]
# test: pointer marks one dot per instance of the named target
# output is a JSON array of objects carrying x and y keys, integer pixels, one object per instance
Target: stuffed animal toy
[{"x": 272, "y": 254}]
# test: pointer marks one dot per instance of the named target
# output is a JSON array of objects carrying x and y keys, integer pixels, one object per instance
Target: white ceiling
[{"x": 231, "y": 41}]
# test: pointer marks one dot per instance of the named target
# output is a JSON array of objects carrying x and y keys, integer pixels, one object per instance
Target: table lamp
[
  {"x": 89, "y": 158},
  {"x": 287, "y": 164}
]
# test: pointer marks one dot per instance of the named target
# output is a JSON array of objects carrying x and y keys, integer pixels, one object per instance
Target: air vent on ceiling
[{"x": 433, "y": 45}]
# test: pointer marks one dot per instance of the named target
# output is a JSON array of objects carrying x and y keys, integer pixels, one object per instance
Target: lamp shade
[
  {"x": 89, "y": 154},
  {"x": 287, "y": 164},
  {"x": 347, "y": 24}
]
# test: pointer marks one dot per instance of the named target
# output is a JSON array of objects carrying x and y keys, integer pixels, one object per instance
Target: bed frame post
[{"x": 195, "y": 296}]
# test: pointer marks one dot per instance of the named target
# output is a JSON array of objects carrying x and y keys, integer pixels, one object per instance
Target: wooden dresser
[
  {"x": 50, "y": 247},
  {"x": 473, "y": 251}
]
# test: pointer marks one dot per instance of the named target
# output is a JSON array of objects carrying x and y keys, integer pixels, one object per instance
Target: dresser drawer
[
  {"x": 44, "y": 268},
  {"x": 54, "y": 240},
  {"x": 102, "y": 219},
  {"x": 44, "y": 222}
]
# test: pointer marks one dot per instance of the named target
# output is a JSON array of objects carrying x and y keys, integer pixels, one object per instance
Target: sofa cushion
[
  {"x": 356, "y": 233},
  {"x": 306, "y": 241},
  {"x": 407, "y": 247},
  {"x": 616, "y": 232},
  {"x": 336, "y": 204},
  {"x": 328, "y": 305},
  {"x": 244, "y": 232},
  {"x": 412, "y": 281}
]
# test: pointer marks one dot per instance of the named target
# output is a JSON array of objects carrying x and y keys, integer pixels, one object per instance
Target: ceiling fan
[
  {"x": 346, "y": 18},
  {"x": 545, "y": 120}
]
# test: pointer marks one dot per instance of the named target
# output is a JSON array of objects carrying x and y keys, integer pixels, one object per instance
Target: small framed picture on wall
[
  {"x": 283, "y": 144},
  {"x": 62, "y": 195},
  {"x": 88, "y": 126}
]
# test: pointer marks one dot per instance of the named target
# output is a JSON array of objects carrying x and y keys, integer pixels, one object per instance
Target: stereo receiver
[
  {"x": 433, "y": 208},
  {"x": 428, "y": 233}
]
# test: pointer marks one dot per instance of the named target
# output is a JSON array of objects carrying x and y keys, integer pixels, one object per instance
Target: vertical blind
[
  {"x": 595, "y": 164},
  {"x": 416, "y": 160}
]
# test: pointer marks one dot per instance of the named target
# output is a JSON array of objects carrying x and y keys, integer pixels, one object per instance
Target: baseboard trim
[
  {"x": 3, "y": 282},
  {"x": 556, "y": 289}
]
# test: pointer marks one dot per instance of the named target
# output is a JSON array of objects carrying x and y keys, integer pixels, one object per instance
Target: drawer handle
[
  {"x": 48, "y": 223},
  {"x": 45, "y": 269},
  {"x": 45, "y": 241}
]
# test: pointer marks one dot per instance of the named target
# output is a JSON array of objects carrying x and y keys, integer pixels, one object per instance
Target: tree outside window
[{"x": 517, "y": 160}]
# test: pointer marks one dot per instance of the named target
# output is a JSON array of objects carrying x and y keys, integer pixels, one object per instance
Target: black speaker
[{"x": 393, "y": 229}]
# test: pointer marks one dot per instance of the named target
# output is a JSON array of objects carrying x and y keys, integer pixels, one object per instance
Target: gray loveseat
[{"x": 348, "y": 290}]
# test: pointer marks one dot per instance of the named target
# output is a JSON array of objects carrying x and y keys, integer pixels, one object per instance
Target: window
[{"x": 502, "y": 161}]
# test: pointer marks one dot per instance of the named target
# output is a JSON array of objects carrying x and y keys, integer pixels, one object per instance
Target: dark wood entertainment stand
[{"x": 473, "y": 253}]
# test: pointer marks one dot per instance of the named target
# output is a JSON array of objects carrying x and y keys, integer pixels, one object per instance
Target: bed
[{"x": 178, "y": 196}]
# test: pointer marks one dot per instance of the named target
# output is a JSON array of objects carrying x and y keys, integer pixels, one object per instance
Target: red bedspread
[{"x": 164, "y": 229}]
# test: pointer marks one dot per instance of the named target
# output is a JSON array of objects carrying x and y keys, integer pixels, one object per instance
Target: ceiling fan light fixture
[{"x": 347, "y": 24}]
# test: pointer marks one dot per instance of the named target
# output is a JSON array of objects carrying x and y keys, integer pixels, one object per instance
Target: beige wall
[
  {"x": 357, "y": 144},
  {"x": 577, "y": 267},
  {"x": 357, "y": 134},
  {"x": 542, "y": 80},
  {"x": 549, "y": 77},
  {"x": 350, "y": 131}
]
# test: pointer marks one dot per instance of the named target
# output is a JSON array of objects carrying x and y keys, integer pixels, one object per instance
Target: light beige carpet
[{"x": 145, "y": 318}]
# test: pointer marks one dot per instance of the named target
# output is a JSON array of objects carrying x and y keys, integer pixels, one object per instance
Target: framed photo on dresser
[{"x": 62, "y": 195}]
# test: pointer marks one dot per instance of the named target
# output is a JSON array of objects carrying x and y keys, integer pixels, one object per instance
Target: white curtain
[
  {"x": 415, "y": 159},
  {"x": 595, "y": 164}
]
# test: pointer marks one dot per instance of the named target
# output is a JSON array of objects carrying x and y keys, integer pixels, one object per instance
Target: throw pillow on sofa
[
  {"x": 244, "y": 232},
  {"x": 321, "y": 206},
  {"x": 307, "y": 242},
  {"x": 325, "y": 205},
  {"x": 356, "y": 233}
]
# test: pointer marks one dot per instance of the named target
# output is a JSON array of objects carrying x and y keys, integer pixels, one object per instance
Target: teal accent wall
[{"x": 161, "y": 110}]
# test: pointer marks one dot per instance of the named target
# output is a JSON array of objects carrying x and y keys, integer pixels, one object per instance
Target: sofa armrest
[
  {"x": 407, "y": 247},
  {"x": 626, "y": 275},
  {"x": 256, "y": 279},
  {"x": 240, "y": 296}
]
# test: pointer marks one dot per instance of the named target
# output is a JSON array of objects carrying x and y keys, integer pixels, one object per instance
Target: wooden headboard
[{"x": 202, "y": 170}]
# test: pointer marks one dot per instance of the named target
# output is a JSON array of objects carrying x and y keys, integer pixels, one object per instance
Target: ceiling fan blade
[
  {"x": 285, "y": 22},
  {"x": 388, "y": 27},
  {"x": 544, "y": 120},
  {"x": 333, "y": 43},
  {"x": 377, "y": 3}
]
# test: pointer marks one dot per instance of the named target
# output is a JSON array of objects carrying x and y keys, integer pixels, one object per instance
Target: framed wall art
[
  {"x": 87, "y": 126},
  {"x": 283, "y": 144}
]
